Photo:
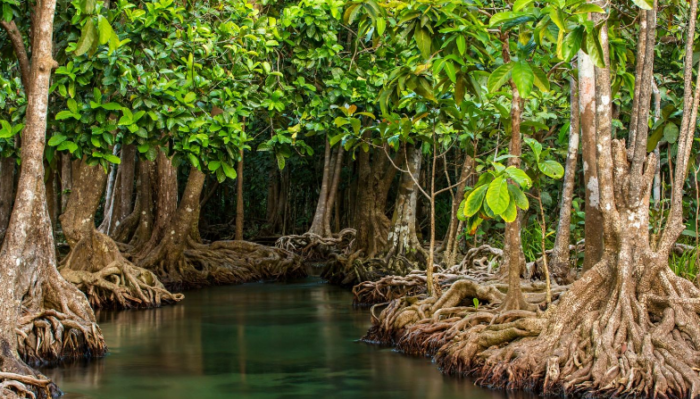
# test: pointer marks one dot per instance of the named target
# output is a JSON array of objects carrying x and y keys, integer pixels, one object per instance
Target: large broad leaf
[
  {"x": 474, "y": 200},
  {"x": 644, "y": 4},
  {"x": 510, "y": 213},
  {"x": 56, "y": 140},
  {"x": 572, "y": 43},
  {"x": 499, "y": 77},
  {"x": 497, "y": 196},
  {"x": 519, "y": 176},
  {"x": 541, "y": 80},
  {"x": 105, "y": 29},
  {"x": 551, "y": 168},
  {"x": 424, "y": 41},
  {"x": 671, "y": 133},
  {"x": 86, "y": 38},
  {"x": 523, "y": 77},
  {"x": 228, "y": 170},
  {"x": 518, "y": 197},
  {"x": 520, "y": 4},
  {"x": 450, "y": 70},
  {"x": 587, "y": 7}
]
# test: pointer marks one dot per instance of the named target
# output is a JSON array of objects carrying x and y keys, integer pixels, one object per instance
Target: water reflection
[{"x": 254, "y": 341}]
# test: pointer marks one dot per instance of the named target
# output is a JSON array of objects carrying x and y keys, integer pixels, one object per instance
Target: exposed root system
[
  {"x": 221, "y": 262},
  {"x": 55, "y": 326},
  {"x": 312, "y": 246},
  {"x": 119, "y": 284}
]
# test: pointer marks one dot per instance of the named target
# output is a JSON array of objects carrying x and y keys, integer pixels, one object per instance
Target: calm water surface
[{"x": 294, "y": 340}]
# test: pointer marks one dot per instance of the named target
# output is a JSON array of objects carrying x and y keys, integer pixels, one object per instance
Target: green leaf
[
  {"x": 56, "y": 140},
  {"x": 280, "y": 161},
  {"x": 541, "y": 80},
  {"x": 340, "y": 121},
  {"x": 671, "y": 132},
  {"x": 510, "y": 213},
  {"x": 572, "y": 43},
  {"x": 67, "y": 145},
  {"x": 228, "y": 170},
  {"x": 501, "y": 17},
  {"x": 424, "y": 41},
  {"x": 190, "y": 97},
  {"x": 214, "y": 165},
  {"x": 588, "y": 7},
  {"x": 474, "y": 200},
  {"x": 519, "y": 176},
  {"x": 112, "y": 158},
  {"x": 518, "y": 197},
  {"x": 551, "y": 168},
  {"x": 523, "y": 77},
  {"x": 356, "y": 125},
  {"x": 557, "y": 16},
  {"x": 105, "y": 29},
  {"x": 461, "y": 44},
  {"x": 499, "y": 77},
  {"x": 520, "y": 4},
  {"x": 64, "y": 115},
  {"x": 193, "y": 160},
  {"x": 644, "y": 4},
  {"x": 450, "y": 70},
  {"x": 86, "y": 38},
  {"x": 381, "y": 26},
  {"x": 497, "y": 196},
  {"x": 535, "y": 146}
]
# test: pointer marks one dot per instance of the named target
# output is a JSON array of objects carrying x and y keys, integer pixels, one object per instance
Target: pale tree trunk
[
  {"x": 317, "y": 226},
  {"x": 111, "y": 197},
  {"x": 656, "y": 190},
  {"x": 402, "y": 243},
  {"x": 33, "y": 290},
  {"x": 331, "y": 203},
  {"x": 560, "y": 266},
  {"x": 239, "y": 200},
  {"x": 594, "y": 219}
]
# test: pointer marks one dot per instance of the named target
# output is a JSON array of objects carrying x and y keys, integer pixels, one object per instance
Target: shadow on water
[{"x": 273, "y": 340}]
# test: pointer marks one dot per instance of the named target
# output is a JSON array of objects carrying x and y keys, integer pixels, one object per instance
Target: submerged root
[
  {"x": 312, "y": 246},
  {"x": 96, "y": 267}
]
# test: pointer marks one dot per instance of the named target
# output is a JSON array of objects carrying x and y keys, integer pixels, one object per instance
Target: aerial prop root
[
  {"x": 313, "y": 246},
  {"x": 601, "y": 339},
  {"x": 56, "y": 324},
  {"x": 119, "y": 283}
]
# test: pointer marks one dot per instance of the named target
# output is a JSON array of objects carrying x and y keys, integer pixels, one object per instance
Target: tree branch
[{"x": 18, "y": 45}]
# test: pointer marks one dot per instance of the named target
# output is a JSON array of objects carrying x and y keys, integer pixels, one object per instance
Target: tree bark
[
  {"x": 333, "y": 191},
  {"x": 594, "y": 218},
  {"x": 32, "y": 287},
  {"x": 318, "y": 225},
  {"x": 7, "y": 191},
  {"x": 126, "y": 192},
  {"x": 560, "y": 266},
  {"x": 402, "y": 243}
]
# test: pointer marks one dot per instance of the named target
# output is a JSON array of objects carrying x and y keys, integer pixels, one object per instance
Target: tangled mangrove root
[
  {"x": 219, "y": 263},
  {"x": 312, "y": 246},
  {"x": 393, "y": 287},
  {"x": 56, "y": 325},
  {"x": 97, "y": 267},
  {"x": 27, "y": 384},
  {"x": 465, "y": 297},
  {"x": 638, "y": 338}
]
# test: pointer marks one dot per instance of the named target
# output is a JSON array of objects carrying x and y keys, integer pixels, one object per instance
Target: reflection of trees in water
[{"x": 157, "y": 341}]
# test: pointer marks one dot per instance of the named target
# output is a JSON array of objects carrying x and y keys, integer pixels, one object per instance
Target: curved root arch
[
  {"x": 119, "y": 283},
  {"x": 313, "y": 246},
  {"x": 14, "y": 385}
]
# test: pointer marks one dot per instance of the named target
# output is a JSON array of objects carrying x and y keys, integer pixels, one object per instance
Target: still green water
[{"x": 275, "y": 340}]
